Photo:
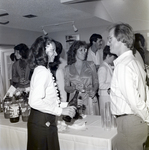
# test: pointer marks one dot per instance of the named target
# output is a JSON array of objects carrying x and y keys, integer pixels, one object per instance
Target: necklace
[{"x": 57, "y": 91}]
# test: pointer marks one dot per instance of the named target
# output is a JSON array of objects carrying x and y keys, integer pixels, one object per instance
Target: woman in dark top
[{"x": 20, "y": 68}]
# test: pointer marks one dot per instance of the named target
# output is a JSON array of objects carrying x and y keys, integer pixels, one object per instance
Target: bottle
[
  {"x": 73, "y": 102},
  {"x": 108, "y": 118},
  {"x": 79, "y": 108},
  {"x": 25, "y": 111},
  {"x": 14, "y": 111},
  {"x": 6, "y": 104}
]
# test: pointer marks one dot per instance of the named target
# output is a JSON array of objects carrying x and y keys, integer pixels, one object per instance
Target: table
[{"x": 13, "y": 136}]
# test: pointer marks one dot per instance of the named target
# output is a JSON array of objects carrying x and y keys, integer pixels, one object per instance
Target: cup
[
  {"x": 25, "y": 111},
  {"x": 103, "y": 120},
  {"x": 108, "y": 116},
  {"x": 90, "y": 106}
]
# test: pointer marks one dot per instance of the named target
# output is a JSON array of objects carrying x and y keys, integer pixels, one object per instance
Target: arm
[
  {"x": 15, "y": 75},
  {"x": 43, "y": 96},
  {"x": 69, "y": 87},
  {"x": 93, "y": 90},
  {"x": 95, "y": 78}
]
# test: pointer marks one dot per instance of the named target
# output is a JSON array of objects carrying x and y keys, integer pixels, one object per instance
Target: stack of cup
[
  {"x": 108, "y": 121},
  {"x": 25, "y": 111},
  {"x": 108, "y": 116}
]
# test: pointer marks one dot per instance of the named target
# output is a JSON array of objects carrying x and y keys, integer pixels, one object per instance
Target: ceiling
[{"x": 85, "y": 14}]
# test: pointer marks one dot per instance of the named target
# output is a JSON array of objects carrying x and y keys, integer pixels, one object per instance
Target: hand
[
  {"x": 22, "y": 80},
  {"x": 20, "y": 89},
  {"x": 69, "y": 111},
  {"x": 92, "y": 93},
  {"x": 80, "y": 87}
]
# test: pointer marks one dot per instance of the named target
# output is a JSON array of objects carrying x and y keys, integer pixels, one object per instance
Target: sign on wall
[{"x": 70, "y": 39}]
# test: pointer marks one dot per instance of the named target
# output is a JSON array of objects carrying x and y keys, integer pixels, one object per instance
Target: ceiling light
[
  {"x": 72, "y": 22},
  {"x": 4, "y": 22},
  {"x": 74, "y": 28},
  {"x": 44, "y": 32},
  {"x": 4, "y": 14},
  {"x": 30, "y": 16}
]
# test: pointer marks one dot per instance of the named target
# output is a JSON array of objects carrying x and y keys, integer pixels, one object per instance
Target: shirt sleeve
[
  {"x": 94, "y": 76},
  {"x": 15, "y": 76},
  {"x": 68, "y": 85},
  {"x": 40, "y": 98}
]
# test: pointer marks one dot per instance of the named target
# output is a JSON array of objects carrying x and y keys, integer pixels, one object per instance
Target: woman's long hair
[
  {"x": 139, "y": 39},
  {"x": 73, "y": 50},
  {"x": 55, "y": 64},
  {"x": 37, "y": 55},
  {"x": 23, "y": 50}
]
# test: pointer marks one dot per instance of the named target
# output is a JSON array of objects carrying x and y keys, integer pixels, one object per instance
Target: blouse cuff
[{"x": 58, "y": 111}]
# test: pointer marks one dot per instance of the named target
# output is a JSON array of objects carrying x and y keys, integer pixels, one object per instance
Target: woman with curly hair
[
  {"x": 81, "y": 75},
  {"x": 43, "y": 98}
]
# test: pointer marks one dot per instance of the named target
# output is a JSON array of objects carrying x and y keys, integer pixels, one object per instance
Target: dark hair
[
  {"x": 73, "y": 50},
  {"x": 13, "y": 57},
  {"x": 94, "y": 38},
  {"x": 140, "y": 38},
  {"x": 106, "y": 51},
  {"x": 37, "y": 55},
  {"x": 23, "y": 50},
  {"x": 54, "y": 65},
  {"x": 124, "y": 33}
]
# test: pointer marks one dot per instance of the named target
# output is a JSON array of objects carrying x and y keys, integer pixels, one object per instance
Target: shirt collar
[
  {"x": 96, "y": 51},
  {"x": 122, "y": 56}
]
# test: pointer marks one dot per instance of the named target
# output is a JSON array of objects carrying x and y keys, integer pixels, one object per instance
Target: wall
[
  {"x": 86, "y": 33},
  {"x": 11, "y": 36},
  {"x": 83, "y": 33},
  {"x": 8, "y": 38}
]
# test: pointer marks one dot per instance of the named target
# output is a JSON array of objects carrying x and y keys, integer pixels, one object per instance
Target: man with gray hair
[{"x": 128, "y": 93}]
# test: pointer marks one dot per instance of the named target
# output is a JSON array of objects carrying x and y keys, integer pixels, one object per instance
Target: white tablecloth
[{"x": 13, "y": 136}]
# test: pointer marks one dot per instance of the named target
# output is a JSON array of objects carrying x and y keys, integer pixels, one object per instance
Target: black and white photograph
[{"x": 74, "y": 74}]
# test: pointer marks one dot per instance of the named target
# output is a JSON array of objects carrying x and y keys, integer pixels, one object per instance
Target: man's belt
[{"x": 117, "y": 116}]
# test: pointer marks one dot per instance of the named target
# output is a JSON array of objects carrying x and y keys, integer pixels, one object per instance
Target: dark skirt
[{"x": 42, "y": 131}]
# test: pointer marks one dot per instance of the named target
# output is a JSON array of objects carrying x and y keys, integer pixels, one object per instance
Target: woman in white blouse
[
  {"x": 105, "y": 72},
  {"x": 43, "y": 98}
]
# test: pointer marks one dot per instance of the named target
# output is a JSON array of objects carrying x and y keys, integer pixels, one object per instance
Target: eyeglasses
[{"x": 82, "y": 49}]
